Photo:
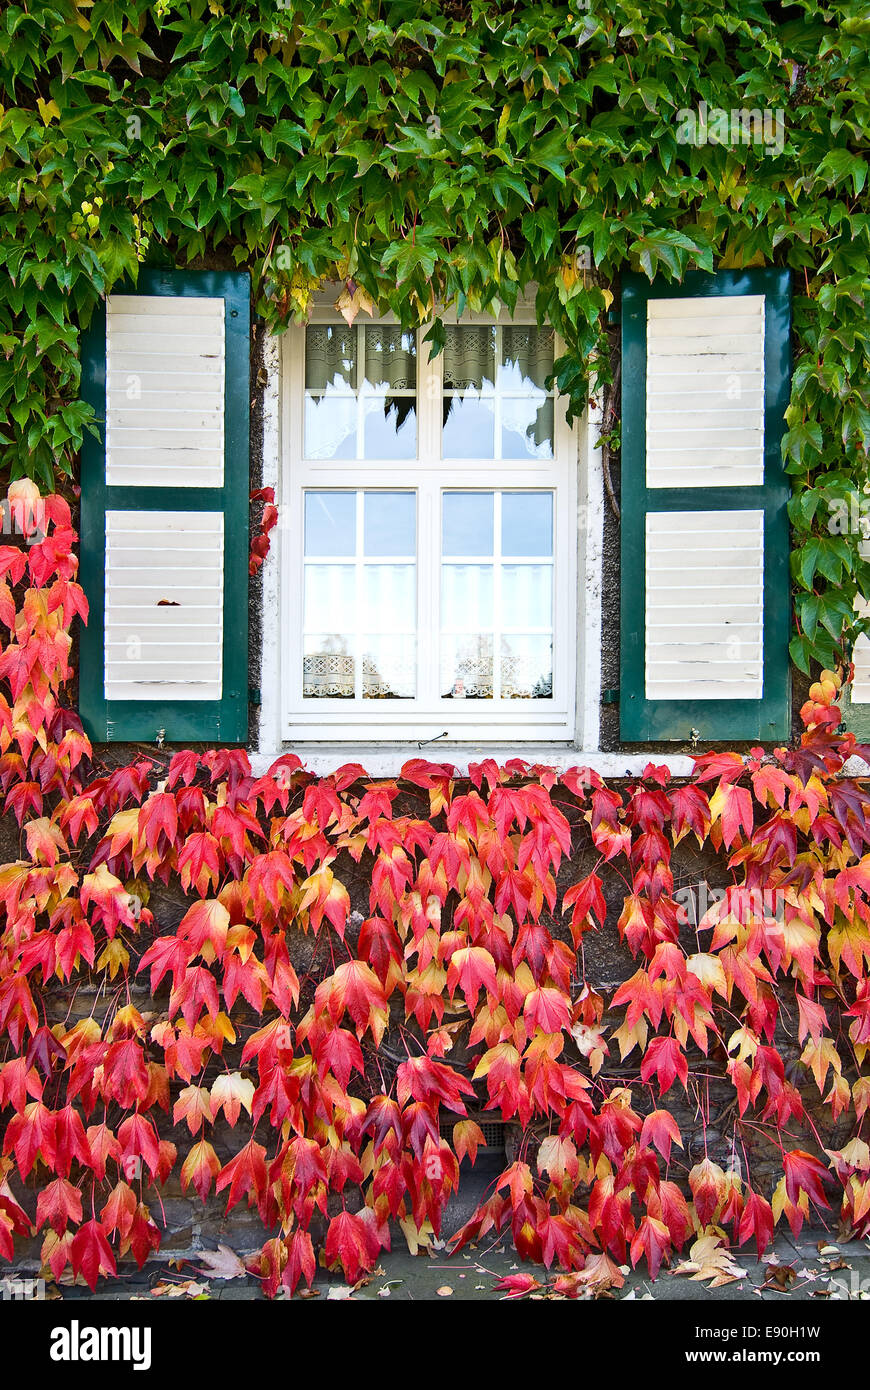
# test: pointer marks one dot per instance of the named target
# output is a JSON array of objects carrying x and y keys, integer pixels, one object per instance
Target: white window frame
[{"x": 417, "y": 719}]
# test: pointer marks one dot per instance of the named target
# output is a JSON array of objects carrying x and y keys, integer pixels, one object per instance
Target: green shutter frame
[
  {"x": 769, "y": 718},
  {"x": 183, "y": 721}
]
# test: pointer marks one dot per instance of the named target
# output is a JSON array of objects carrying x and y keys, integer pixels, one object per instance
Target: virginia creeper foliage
[{"x": 124, "y": 1043}]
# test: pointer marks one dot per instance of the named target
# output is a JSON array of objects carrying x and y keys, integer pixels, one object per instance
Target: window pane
[
  {"x": 511, "y": 419},
  {"x": 497, "y": 616},
  {"x": 389, "y": 668},
  {"x": 390, "y": 523},
  {"x": 390, "y": 429},
  {"x": 330, "y": 427},
  {"x": 330, "y": 357},
  {"x": 466, "y": 667},
  {"x": 469, "y": 358},
  {"x": 330, "y": 597},
  {"x": 390, "y": 598},
  {"x": 469, "y": 428},
  {"x": 526, "y": 668},
  {"x": 360, "y": 618},
  {"x": 466, "y": 598},
  {"x": 526, "y": 358},
  {"x": 352, "y": 413},
  {"x": 527, "y": 523},
  {"x": 527, "y": 428},
  {"x": 467, "y": 523},
  {"x": 328, "y": 668},
  {"x": 527, "y": 595},
  {"x": 330, "y": 523},
  {"x": 391, "y": 359}
]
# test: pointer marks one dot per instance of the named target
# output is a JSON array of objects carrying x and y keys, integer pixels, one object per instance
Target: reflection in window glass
[
  {"x": 497, "y": 613},
  {"x": 496, "y": 402},
  {"x": 359, "y": 617},
  {"x": 360, "y": 392}
]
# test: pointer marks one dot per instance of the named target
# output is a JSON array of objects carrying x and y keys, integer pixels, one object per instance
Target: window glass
[
  {"x": 497, "y": 612},
  {"x": 496, "y": 403},
  {"x": 360, "y": 392},
  {"x": 359, "y": 618}
]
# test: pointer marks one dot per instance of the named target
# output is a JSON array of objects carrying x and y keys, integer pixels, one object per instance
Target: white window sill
[{"x": 381, "y": 760}]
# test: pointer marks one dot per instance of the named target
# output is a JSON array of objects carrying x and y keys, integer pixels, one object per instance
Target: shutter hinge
[
  {"x": 253, "y": 695},
  {"x": 610, "y": 697},
  {"x": 614, "y": 316}
]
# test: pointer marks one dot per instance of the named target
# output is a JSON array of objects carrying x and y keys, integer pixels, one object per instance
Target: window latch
[{"x": 422, "y": 743}]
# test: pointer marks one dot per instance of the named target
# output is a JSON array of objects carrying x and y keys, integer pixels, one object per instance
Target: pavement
[{"x": 815, "y": 1266}]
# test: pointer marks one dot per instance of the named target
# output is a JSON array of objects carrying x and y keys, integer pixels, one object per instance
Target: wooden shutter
[
  {"x": 164, "y": 511},
  {"x": 705, "y": 577}
]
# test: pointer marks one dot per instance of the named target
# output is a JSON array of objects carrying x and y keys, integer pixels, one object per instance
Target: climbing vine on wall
[
  {"x": 464, "y": 988},
  {"x": 442, "y": 153}
]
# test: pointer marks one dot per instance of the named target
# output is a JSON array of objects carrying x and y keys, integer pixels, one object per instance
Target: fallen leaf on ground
[
  {"x": 222, "y": 1263},
  {"x": 516, "y": 1285},
  {"x": 780, "y": 1278},
  {"x": 709, "y": 1259}
]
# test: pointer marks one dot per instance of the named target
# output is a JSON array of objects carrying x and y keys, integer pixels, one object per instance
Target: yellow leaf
[
  {"x": 115, "y": 957},
  {"x": 48, "y": 110}
]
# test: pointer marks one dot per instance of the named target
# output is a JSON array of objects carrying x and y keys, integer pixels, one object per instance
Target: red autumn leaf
[
  {"x": 587, "y": 900},
  {"x": 467, "y": 1138},
  {"x": 354, "y": 988},
  {"x": 547, "y": 1009},
  {"x": 665, "y": 1060},
  {"x": 245, "y": 1175},
  {"x": 653, "y": 1239},
  {"x": 119, "y": 1211},
  {"x": 709, "y": 1188},
  {"x": 804, "y": 1173},
  {"x": 205, "y": 922},
  {"x": 731, "y": 810},
  {"x": 137, "y": 1138},
  {"x": 58, "y": 1204},
  {"x": 164, "y": 954},
  {"x": 352, "y": 1242},
  {"x": 200, "y": 1169},
  {"x": 199, "y": 863},
  {"x": 661, "y": 1129},
  {"x": 425, "y": 1079},
  {"x": 158, "y": 816},
  {"x": 517, "y": 1285},
  {"x": 756, "y": 1219},
  {"x": 471, "y": 969},
  {"x": 144, "y": 1235},
  {"x": 126, "y": 1073},
  {"x": 31, "y": 1135},
  {"x": 91, "y": 1255},
  {"x": 300, "y": 1261}
]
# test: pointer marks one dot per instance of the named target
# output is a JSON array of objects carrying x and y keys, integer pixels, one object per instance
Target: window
[{"x": 429, "y": 568}]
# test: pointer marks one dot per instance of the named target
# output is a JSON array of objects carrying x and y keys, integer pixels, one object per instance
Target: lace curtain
[{"x": 331, "y": 358}]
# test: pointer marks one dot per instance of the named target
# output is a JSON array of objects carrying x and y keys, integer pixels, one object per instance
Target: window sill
[{"x": 386, "y": 760}]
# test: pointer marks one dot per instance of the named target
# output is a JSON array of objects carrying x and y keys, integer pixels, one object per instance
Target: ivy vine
[{"x": 445, "y": 153}]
